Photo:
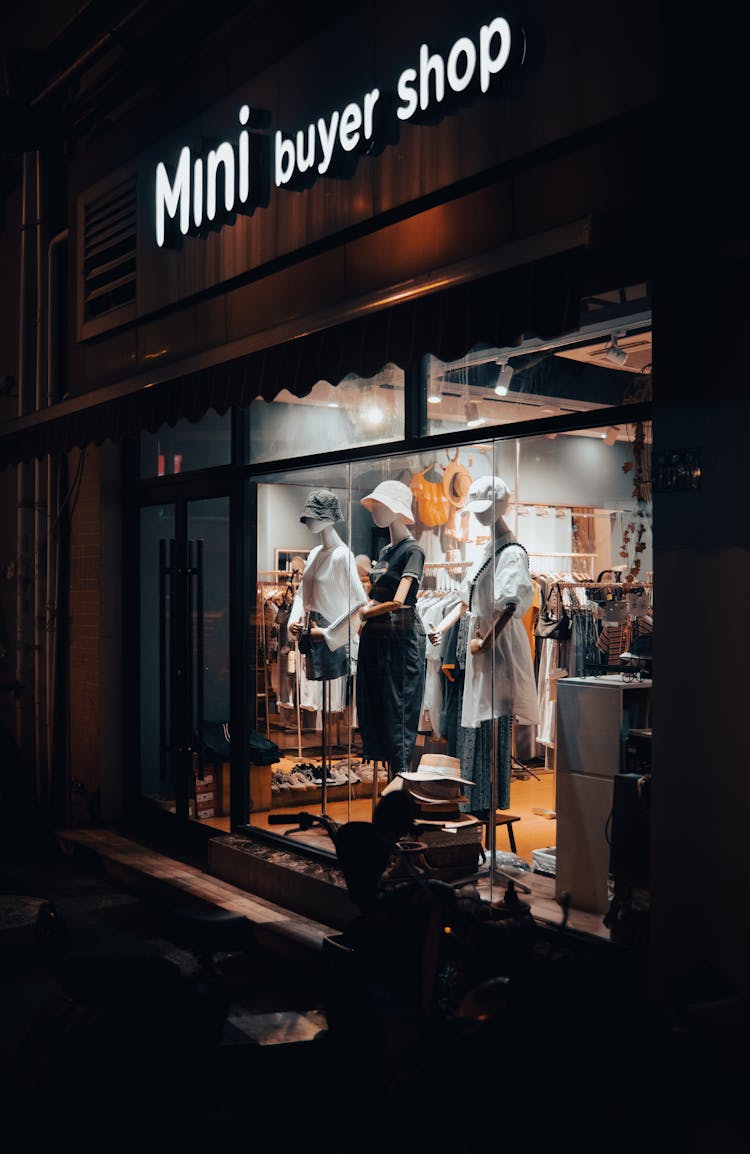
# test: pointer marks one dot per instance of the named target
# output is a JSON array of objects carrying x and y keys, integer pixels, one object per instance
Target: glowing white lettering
[
  {"x": 429, "y": 84},
  {"x": 327, "y": 133},
  {"x": 243, "y": 190},
  {"x": 315, "y": 145},
  {"x": 172, "y": 197},
  {"x": 407, "y": 94},
  {"x": 198, "y": 192},
  {"x": 456, "y": 79},
  {"x": 435, "y": 65},
  {"x": 189, "y": 195},
  {"x": 351, "y": 122},
  {"x": 223, "y": 155},
  {"x": 490, "y": 65}
]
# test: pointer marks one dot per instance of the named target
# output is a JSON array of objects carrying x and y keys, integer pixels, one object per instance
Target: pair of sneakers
[
  {"x": 303, "y": 775},
  {"x": 367, "y": 770},
  {"x": 346, "y": 768},
  {"x": 280, "y": 782},
  {"x": 334, "y": 776}
]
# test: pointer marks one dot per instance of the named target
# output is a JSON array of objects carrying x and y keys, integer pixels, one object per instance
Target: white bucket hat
[
  {"x": 395, "y": 495},
  {"x": 486, "y": 491}
]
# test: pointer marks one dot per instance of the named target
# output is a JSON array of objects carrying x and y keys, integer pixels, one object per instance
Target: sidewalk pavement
[
  {"x": 102, "y": 1010},
  {"x": 144, "y": 1061}
]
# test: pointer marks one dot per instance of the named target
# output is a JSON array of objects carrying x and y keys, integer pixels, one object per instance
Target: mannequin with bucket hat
[
  {"x": 391, "y": 660},
  {"x": 328, "y": 595},
  {"x": 499, "y": 681}
]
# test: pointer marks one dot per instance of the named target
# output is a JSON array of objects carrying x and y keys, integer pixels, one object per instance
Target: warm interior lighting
[
  {"x": 471, "y": 411},
  {"x": 609, "y": 436},
  {"x": 374, "y": 414},
  {"x": 503, "y": 379}
]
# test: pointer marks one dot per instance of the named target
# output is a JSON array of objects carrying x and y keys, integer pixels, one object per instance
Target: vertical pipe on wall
[
  {"x": 53, "y": 497},
  {"x": 24, "y": 491},
  {"x": 41, "y": 477}
]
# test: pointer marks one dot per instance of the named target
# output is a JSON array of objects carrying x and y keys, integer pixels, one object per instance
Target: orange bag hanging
[{"x": 433, "y": 507}]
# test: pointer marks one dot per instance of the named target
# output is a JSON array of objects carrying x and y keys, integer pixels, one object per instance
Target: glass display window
[
  {"x": 606, "y": 363},
  {"x": 415, "y": 529},
  {"x": 356, "y": 411},
  {"x": 187, "y": 446}
]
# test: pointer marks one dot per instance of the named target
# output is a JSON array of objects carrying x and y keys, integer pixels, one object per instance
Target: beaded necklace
[{"x": 495, "y": 553}]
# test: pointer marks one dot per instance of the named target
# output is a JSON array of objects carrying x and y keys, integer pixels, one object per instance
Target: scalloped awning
[{"x": 539, "y": 298}]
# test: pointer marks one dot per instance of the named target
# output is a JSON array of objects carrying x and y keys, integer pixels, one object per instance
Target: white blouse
[
  {"x": 500, "y": 681},
  {"x": 330, "y": 586}
]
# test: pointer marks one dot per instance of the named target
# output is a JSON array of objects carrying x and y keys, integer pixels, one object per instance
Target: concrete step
[{"x": 285, "y": 933}]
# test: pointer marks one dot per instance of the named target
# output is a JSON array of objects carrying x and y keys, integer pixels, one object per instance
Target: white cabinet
[{"x": 594, "y": 717}]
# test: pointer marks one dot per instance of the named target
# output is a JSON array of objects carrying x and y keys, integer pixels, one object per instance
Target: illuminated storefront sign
[{"x": 202, "y": 191}]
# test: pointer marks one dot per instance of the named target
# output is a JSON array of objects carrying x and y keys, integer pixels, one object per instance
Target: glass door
[{"x": 184, "y": 646}]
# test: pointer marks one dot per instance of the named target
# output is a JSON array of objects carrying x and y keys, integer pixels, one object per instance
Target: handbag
[
  {"x": 433, "y": 507},
  {"x": 554, "y": 628}
]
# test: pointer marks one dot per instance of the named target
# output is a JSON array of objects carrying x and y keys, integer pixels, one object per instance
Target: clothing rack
[
  {"x": 549, "y": 553},
  {"x": 518, "y": 505},
  {"x": 627, "y": 586},
  {"x": 446, "y": 566},
  {"x": 270, "y": 581},
  {"x": 272, "y": 575}
]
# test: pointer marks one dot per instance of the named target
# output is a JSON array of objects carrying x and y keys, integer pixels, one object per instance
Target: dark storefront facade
[{"x": 413, "y": 245}]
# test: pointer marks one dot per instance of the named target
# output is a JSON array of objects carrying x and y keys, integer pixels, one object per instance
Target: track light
[
  {"x": 503, "y": 378},
  {"x": 614, "y": 353},
  {"x": 471, "y": 412}
]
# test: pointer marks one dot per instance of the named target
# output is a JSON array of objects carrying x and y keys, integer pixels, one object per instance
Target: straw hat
[
  {"x": 437, "y": 767},
  {"x": 456, "y": 482},
  {"x": 444, "y": 794},
  {"x": 438, "y": 770}
]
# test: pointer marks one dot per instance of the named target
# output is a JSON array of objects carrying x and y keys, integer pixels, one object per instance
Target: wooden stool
[{"x": 506, "y": 819}]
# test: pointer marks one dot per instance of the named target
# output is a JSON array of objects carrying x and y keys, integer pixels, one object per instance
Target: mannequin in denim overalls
[{"x": 391, "y": 661}]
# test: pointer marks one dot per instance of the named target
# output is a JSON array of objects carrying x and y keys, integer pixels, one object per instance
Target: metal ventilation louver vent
[{"x": 109, "y": 231}]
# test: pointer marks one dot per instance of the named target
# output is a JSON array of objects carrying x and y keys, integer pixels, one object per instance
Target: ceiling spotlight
[
  {"x": 614, "y": 353},
  {"x": 503, "y": 378},
  {"x": 434, "y": 399},
  {"x": 374, "y": 413},
  {"x": 471, "y": 412}
]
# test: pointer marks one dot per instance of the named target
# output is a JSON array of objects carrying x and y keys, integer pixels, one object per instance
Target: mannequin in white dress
[{"x": 499, "y": 683}]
